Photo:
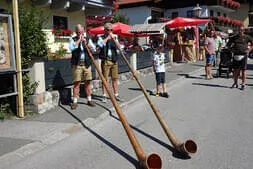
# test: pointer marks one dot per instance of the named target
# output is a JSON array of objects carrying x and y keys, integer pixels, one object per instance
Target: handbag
[{"x": 238, "y": 57}]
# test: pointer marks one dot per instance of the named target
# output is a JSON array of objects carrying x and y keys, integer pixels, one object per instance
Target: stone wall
[{"x": 43, "y": 101}]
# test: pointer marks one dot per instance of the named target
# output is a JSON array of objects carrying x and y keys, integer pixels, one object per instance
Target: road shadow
[
  {"x": 97, "y": 97},
  {"x": 175, "y": 153},
  {"x": 139, "y": 89},
  {"x": 189, "y": 76},
  {"x": 249, "y": 77},
  {"x": 174, "y": 71},
  {"x": 197, "y": 65},
  {"x": 102, "y": 139},
  {"x": 211, "y": 85}
]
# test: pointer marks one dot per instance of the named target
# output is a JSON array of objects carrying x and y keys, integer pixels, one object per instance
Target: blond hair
[
  {"x": 107, "y": 25},
  {"x": 79, "y": 26}
]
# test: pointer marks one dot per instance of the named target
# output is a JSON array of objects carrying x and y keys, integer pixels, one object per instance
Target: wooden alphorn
[
  {"x": 152, "y": 161},
  {"x": 186, "y": 148}
]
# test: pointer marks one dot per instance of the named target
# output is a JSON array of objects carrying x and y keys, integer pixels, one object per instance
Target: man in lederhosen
[
  {"x": 109, "y": 64},
  {"x": 81, "y": 65}
]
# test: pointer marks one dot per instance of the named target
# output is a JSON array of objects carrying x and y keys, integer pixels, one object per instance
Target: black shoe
[
  {"x": 235, "y": 85},
  {"x": 165, "y": 94},
  {"x": 242, "y": 87},
  {"x": 73, "y": 106}
]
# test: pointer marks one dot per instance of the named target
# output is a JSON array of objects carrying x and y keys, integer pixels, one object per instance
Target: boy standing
[{"x": 159, "y": 69}]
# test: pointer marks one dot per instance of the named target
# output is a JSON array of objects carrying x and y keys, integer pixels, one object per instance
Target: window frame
[{"x": 55, "y": 15}]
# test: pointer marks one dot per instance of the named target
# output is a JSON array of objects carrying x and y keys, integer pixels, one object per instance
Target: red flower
[{"x": 59, "y": 31}]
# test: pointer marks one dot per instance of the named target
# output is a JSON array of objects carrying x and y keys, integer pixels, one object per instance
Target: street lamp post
[{"x": 197, "y": 12}]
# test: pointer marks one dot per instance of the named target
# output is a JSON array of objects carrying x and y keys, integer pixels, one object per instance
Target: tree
[
  {"x": 32, "y": 38},
  {"x": 32, "y": 42},
  {"x": 120, "y": 18}
]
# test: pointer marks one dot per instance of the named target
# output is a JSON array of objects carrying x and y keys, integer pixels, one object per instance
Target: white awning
[{"x": 148, "y": 28}]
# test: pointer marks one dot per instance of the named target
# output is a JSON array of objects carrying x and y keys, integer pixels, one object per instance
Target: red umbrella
[
  {"x": 181, "y": 22},
  {"x": 117, "y": 27}
]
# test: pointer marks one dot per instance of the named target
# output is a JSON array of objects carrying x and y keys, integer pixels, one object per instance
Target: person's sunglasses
[{"x": 109, "y": 29}]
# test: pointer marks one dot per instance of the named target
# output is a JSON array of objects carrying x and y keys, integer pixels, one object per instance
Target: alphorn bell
[
  {"x": 186, "y": 148},
  {"x": 152, "y": 161}
]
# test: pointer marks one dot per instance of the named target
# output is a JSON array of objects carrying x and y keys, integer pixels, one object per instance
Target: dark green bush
[
  {"x": 32, "y": 38},
  {"x": 32, "y": 42}
]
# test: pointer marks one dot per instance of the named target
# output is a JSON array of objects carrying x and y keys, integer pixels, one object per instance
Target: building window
[
  {"x": 190, "y": 13},
  {"x": 156, "y": 15},
  {"x": 211, "y": 12},
  {"x": 4, "y": 11},
  {"x": 218, "y": 13},
  {"x": 60, "y": 21},
  {"x": 174, "y": 15}
]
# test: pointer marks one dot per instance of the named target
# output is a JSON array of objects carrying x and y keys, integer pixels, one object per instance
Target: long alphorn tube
[
  {"x": 152, "y": 161},
  {"x": 186, "y": 148}
]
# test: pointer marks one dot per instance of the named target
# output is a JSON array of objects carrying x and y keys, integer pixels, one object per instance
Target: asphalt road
[{"x": 217, "y": 118}]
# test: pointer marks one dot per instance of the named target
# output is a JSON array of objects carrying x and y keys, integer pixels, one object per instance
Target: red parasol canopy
[
  {"x": 181, "y": 22},
  {"x": 118, "y": 28}
]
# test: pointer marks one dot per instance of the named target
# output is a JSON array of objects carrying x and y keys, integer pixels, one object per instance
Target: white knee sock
[
  {"x": 89, "y": 98},
  {"x": 74, "y": 100}
]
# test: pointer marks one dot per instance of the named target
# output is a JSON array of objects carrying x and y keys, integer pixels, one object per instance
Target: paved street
[{"x": 217, "y": 118}]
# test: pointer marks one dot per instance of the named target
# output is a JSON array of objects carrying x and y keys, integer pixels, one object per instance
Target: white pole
[{"x": 18, "y": 59}]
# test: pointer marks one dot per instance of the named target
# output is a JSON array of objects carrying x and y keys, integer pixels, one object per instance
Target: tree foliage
[
  {"x": 32, "y": 38},
  {"x": 32, "y": 42},
  {"x": 120, "y": 18}
]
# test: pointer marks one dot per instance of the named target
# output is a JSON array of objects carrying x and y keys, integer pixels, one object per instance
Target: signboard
[{"x": 7, "y": 57}]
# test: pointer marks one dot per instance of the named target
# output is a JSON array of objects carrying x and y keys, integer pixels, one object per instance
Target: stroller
[{"x": 225, "y": 65}]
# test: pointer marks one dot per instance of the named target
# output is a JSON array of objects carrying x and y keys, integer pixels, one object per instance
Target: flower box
[{"x": 59, "y": 31}]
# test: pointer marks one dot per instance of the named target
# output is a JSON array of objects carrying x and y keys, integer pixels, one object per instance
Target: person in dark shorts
[
  {"x": 159, "y": 69},
  {"x": 239, "y": 46},
  {"x": 210, "y": 53}
]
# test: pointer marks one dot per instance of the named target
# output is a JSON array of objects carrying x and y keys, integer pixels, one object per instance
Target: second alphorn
[
  {"x": 186, "y": 148},
  {"x": 152, "y": 161}
]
